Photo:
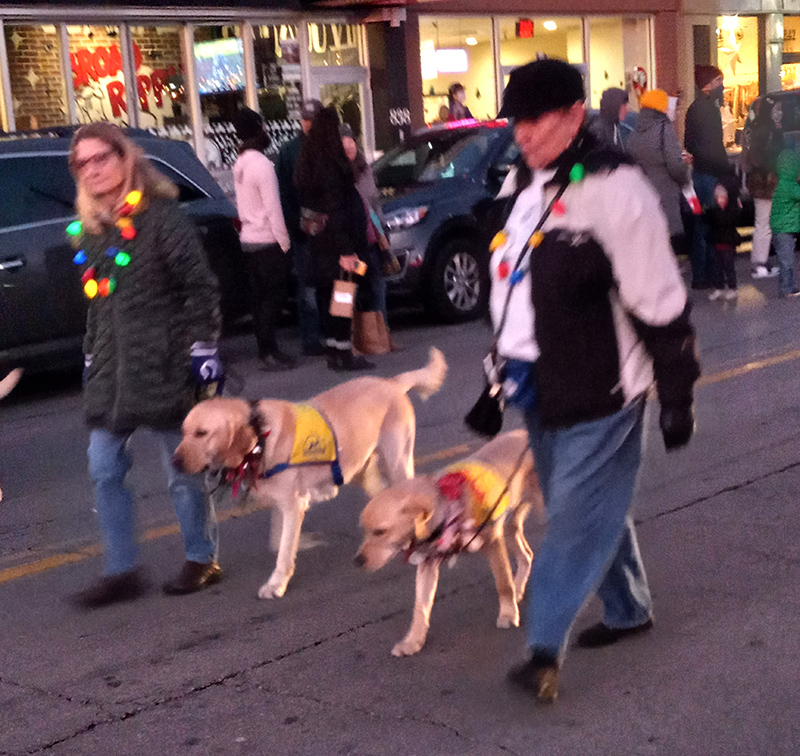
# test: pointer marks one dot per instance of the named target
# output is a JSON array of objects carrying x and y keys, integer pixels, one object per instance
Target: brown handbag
[{"x": 370, "y": 335}]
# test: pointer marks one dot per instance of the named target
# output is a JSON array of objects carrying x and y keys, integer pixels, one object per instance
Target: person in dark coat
[
  {"x": 723, "y": 218},
  {"x": 763, "y": 142},
  {"x": 654, "y": 146},
  {"x": 307, "y": 314},
  {"x": 150, "y": 348},
  {"x": 605, "y": 125},
  {"x": 336, "y": 228},
  {"x": 703, "y": 141}
]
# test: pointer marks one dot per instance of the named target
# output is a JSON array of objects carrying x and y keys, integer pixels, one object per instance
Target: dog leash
[{"x": 439, "y": 529}]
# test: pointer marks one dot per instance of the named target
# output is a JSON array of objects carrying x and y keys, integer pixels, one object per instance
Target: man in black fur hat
[{"x": 589, "y": 309}]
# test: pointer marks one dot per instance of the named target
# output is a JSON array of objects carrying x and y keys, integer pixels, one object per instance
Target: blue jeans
[
  {"x": 587, "y": 474},
  {"x": 109, "y": 462},
  {"x": 307, "y": 311},
  {"x": 702, "y": 254},
  {"x": 784, "y": 248}
]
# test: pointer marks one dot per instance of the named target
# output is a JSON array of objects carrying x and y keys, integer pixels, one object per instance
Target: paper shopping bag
[{"x": 343, "y": 299}]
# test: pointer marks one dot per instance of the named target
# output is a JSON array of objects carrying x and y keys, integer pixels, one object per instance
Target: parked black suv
[
  {"x": 429, "y": 186},
  {"x": 42, "y": 307}
]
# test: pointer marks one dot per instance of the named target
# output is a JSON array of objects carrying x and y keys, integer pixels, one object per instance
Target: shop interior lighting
[
  {"x": 452, "y": 60},
  {"x": 471, "y": 41},
  {"x": 730, "y": 23},
  {"x": 550, "y": 25}
]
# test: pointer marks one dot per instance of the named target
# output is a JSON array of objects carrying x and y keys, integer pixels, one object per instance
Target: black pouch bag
[{"x": 486, "y": 417}]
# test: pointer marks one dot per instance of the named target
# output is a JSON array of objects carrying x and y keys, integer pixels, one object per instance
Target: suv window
[
  {"x": 187, "y": 190},
  {"x": 438, "y": 157},
  {"x": 35, "y": 188}
]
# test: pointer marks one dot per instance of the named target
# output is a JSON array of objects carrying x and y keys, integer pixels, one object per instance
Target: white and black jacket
[{"x": 609, "y": 307}]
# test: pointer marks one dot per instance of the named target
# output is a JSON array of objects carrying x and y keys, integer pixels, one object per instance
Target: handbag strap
[{"x": 545, "y": 215}]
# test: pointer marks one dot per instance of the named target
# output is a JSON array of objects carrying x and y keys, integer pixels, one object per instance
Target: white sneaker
[
  {"x": 760, "y": 271},
  {"x": 716, "y": 294},
  {"x": 731, "y": 294}
]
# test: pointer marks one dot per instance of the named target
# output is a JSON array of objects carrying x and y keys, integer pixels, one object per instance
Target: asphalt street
[{"x": 222, "y": 672}]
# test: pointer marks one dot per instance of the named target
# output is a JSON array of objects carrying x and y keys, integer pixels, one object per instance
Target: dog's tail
[
  {"x": 8, "y": 383},
  {"x": 427, "y": 380}
]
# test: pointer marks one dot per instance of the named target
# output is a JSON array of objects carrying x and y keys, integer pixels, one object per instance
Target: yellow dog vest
[
  {"x": 482, "y": 490},
  {"x": 314, "y": 443}
]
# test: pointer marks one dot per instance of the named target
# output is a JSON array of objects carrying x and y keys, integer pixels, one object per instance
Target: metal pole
[
  {"x": 129, "y": 73},
  {"x": 7, "y": 98},
  {"x": 250, "y": 86},
  {"x": 499, "y": 79},
  {"x": 191, "y": 92},
  {"x": 66, "y": 71}
]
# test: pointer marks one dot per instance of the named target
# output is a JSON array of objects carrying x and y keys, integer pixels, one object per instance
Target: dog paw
[
  {"x": 407, "y": 647},
  {"x": 504, "y": 621},
  {"x": 271, "y": 590}
]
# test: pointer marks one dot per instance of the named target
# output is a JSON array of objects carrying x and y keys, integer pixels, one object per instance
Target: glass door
[{"x": 347, "y": 89}]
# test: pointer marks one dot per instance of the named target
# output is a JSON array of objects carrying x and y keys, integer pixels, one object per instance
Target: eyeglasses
[{"x": 99, "y": 159}]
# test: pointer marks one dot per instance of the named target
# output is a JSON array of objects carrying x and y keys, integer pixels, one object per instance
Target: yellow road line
[{"x": 59, "y": 560}]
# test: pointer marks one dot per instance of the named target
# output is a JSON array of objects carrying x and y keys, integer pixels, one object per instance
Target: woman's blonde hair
[{"x": 139, "y": 175}]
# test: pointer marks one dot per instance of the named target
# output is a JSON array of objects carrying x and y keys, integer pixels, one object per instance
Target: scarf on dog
[{"x": 474, "y": 495}]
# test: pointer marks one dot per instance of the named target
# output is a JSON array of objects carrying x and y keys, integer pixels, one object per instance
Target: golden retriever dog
[
  {"x": 373, "y": 429},
  {"x": 433, "y": 517},
  {"x": 6, "y": 387}
]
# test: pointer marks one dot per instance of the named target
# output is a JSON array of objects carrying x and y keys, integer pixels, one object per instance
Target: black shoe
[
  {"x": 194, "y": 577},
  {"x": 314, "y": 350},
  {"x": 538, "y": 675},
  {"x": 600, "y": 635},
  {"x": 350, "y": 361},
  {"x": 125, "y": 586},
  {"x": 277, "y": 361}
]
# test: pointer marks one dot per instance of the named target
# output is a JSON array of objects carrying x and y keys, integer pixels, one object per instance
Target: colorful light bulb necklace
[
  {"x": 93, "y": 287},
  {"x": 576, "y": 175}
]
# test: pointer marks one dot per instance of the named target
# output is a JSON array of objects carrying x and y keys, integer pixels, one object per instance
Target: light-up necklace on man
[{"x": 92, "y": 286}]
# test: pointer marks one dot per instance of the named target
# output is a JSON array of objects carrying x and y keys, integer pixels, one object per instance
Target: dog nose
[
  {"x": 359, "y": 560},
  {"x": 177, "y": 462}
]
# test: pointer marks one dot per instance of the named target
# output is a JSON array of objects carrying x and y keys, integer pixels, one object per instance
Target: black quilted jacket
[{"x": 141, "y": 335}]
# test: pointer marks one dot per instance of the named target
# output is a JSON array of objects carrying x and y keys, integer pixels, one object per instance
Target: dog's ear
[
  {"x": 243, "y": 439},
  {"x": 419, "y": 507}
]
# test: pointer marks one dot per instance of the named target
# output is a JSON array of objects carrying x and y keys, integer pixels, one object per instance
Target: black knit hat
[
  {"x": 704, "y": 75},
  {"x": 540, "y": 87},
  {"x": 248, "y": 124}
]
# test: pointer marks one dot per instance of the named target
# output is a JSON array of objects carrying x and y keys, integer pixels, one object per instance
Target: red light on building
[{"x": 525, "y": 28}]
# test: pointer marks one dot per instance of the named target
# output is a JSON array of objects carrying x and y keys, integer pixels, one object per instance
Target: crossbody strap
[{"x": 521, "y": 257}]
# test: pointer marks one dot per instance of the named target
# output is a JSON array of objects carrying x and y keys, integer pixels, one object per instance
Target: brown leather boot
[
  {"x": 538, "y": 675},
  {"x": 110, "y": 589},
  {"x": 193, "y": 577}
]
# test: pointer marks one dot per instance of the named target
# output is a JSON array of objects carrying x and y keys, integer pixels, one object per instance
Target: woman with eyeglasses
[{"x": 150, "y": 348}]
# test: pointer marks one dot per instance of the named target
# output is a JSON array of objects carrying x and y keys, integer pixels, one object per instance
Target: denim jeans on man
[
  {"x": 588, "y": 474},
  {"x": 109, "y": 462},
  {"x": 784, "y": 248},
  {"x": 702, "y": 254}
]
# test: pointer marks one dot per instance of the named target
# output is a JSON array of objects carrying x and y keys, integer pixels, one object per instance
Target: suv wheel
[{"x": 459, "y": 284}]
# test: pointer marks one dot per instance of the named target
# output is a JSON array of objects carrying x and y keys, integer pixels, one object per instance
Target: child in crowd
[
  {"x": 722, "y": 218},
  {"x": 784, "y": 220}
]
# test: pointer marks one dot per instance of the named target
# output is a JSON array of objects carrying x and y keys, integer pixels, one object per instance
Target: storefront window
[
  {"x": 524, "y": 39},
  {"x": 276, "y": 51},
  {"x": 457, "y": 50},
  {"x": 619, "y": 56},
  {"x": 38, "y": 93},
  {"x": 737, "y": 57},
  {"x": 161, "y": 99},
  {"x": 219, "y": 59},
  {"x": 98, "y": 80},
  {"x": 790, "y": 72},
  {"x": 335, "y": 45}
]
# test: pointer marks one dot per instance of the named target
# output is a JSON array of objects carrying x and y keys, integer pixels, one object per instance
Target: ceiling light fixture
[
  {"x": 550, "y": 25},
  {"x": 471, "y": 41}
]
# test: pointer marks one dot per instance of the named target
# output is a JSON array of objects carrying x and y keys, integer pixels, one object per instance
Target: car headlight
[{"x": 406, "y": 218}]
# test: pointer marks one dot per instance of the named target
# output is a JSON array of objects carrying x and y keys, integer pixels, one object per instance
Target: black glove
[{"x": 677, "y": 426}]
